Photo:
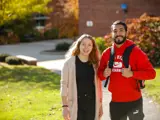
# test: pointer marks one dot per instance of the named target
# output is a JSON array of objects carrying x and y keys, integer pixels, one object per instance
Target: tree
[
  {"x": 19, "y": 9},
  {"x": 69, "y": 26},
  {"x": 71, "y": 7}
]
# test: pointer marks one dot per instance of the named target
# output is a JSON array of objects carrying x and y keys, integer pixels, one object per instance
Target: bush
[
  {"x": 145, "y": 32},
  {"x": 101, "y": 43},
  {"x": 3, "y": 57},
  {"x": 51, "y": 34},
  {"x": 10, "y": 38},
  {"x": 37, "y": 35},
  {"x": 3, "y": 40},
  {"x": 62, "y": 46},
  {"x": 15, "y": 29},
  {"x": 12, "y": 60},
  {"x": 30, "y": 36}
]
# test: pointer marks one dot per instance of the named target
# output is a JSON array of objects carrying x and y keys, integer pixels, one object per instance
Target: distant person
[
  {"x": 124, "y": 86},
  {"x": 81, "y": 90}
]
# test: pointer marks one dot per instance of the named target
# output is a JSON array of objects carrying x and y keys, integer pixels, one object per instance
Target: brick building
[{"x": 96, "y": 16}]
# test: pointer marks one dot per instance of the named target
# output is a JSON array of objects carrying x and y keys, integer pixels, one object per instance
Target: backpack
[{"x": 126, "y": 54}]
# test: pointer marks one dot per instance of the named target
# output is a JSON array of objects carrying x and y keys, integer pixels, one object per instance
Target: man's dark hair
[{"x": 118, "y": 22}]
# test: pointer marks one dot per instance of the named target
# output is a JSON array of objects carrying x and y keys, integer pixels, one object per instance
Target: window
[{"x": 40, "y": 21}]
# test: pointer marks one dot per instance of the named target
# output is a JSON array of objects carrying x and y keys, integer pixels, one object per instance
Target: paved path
[
  {"x": 54, "y": 62},
  {"x": 35, "y": 49}
]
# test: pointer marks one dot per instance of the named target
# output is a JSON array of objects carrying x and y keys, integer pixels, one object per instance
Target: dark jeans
[
  {"x": 86, "y": 108},
  {"x": 122, "y": 110}
]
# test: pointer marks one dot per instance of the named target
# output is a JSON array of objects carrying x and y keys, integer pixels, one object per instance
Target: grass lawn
[
  {"x": 29, "y": 93},
  {"x": 32, "y": 93},
  {"x": 153, "y": 87}
]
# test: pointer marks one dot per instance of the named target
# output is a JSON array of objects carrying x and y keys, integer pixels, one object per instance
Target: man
[{"x": 126, "y": 94}]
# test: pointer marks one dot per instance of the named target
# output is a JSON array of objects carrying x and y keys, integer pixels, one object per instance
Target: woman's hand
[
  {"x": 66, "y": 114},
  {"x": 100, "y": 110}
]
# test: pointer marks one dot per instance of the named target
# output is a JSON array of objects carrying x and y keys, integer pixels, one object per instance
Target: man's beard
[{"x": 118, "y": 41}]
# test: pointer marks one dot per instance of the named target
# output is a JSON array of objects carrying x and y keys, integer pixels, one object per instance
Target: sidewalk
[
  {"x": 35, "y": 49},
  {"x": 54, "y": 62}
]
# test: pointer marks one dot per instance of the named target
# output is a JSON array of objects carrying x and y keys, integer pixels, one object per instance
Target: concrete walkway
[
  {"x": 54, "y": 62},
  {"x": 35, "y": 49}
]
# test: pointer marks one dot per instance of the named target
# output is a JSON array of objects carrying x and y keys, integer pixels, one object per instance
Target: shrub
[
  {"x": 32, "y": 35},
  {"x": 101, "y": 43},
  {"x": 3, "y": 40},
  {"x": 37, "y": 35},
  {"x": 62, "y": 46},
  {"x": 11, "y": 38},
  {"x": 51, "y": 34},
  {"x": 3, "y": 57},
  {"x": 15, "y": 29},
  {"x": 145, "y": 32},
  {"x": 12, "y": 60}
]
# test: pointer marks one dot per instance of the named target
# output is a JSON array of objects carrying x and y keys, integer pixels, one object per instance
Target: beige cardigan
[{"x": 69, "y": 88}]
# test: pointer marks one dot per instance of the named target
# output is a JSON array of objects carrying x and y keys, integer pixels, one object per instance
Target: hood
[{"x": 123, "y": 47}]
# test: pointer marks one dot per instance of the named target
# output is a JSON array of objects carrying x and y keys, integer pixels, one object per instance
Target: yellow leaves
[
  {"x": 13, "y": 9},
  {"x": 71, "y": 7}
]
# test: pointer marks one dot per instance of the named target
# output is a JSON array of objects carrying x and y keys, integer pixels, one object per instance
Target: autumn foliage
[
  {"x": 65, "y": 17},
  {"x": 145, "y": 32}
]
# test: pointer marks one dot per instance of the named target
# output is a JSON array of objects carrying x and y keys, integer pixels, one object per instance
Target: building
[{"x": 96, "y": 16}]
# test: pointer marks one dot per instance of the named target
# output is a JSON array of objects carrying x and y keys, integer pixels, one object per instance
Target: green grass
[
  {"x": 32, "y": 93},
  {"x": 153, "y": 87},
  {"x": 29, "y": 93}
]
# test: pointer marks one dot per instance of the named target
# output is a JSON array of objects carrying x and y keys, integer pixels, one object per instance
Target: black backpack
[{"x": 126, "y": 54}]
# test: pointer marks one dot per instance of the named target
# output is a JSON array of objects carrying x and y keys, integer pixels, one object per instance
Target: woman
[{"x": 81, "y": 90}]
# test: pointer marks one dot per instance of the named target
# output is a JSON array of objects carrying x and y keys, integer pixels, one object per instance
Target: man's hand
[
  {"x": 126, "y": 72},
  {"x": 107, "y": 72}
]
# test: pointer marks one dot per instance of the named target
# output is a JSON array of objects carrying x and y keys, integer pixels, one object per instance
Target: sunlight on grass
[
  {"x": 29, "y": 93},
  {"x": 153, "y": 87}
]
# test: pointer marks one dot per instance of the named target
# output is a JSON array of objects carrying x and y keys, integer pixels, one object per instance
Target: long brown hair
[{"x": 93, "y": 56}]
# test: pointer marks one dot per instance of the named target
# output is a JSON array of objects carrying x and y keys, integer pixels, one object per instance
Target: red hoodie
[{"x": 125, "y": 89}]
